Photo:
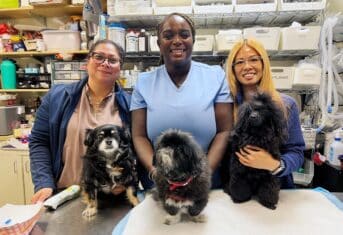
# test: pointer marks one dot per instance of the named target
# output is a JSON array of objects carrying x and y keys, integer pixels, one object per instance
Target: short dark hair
[
  {"x": 159, "y": 28},
  {"x": 119, "y": 49},
  {"x": 187, "y": 18}
]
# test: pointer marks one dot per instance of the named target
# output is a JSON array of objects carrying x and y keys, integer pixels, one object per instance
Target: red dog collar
[{"x": 174, "y": 185}]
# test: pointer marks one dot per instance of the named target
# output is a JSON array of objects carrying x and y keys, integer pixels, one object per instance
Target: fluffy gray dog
[{"x": 182, "y": 176}]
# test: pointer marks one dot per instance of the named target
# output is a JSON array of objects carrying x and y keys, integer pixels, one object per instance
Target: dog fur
[
  {"x": 109, "y": 161},
  {"x": 260, "y": 123},
  {"x": 182, "y": 176}
]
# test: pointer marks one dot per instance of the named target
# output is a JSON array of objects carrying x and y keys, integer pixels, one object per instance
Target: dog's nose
[{"x": 109, "y": 142}]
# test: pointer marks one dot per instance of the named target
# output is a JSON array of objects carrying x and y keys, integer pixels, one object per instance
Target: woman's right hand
[{"x": 41, "y": 195}]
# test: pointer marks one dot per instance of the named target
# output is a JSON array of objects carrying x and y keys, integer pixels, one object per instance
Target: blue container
[{"x": 8, "y": 74}]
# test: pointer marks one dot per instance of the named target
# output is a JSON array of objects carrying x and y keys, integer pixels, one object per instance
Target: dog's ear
[{"x": 89, "y": 137}]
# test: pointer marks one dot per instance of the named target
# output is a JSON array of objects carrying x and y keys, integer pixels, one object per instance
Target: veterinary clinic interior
[{"x": 45, "y": 43}]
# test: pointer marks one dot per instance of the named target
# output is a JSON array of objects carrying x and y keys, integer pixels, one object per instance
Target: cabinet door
[
  {"x": 28, "y": 185},
  {"x": 11, "y": 178}
]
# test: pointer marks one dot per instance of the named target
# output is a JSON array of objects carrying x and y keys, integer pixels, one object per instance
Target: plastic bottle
[
  {"x": 336, "y": 149},
  {"x": 116, "y": 33},
  {"x": 142, "y": 42},
  {"x": 9, "y": 79},
  {"x": 131, "y": 42}
]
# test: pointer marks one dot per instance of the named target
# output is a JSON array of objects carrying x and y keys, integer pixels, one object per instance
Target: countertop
[{"x": 67, "y": 219}]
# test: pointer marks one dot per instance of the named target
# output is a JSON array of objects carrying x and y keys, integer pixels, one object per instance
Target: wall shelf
[
  {"x": 39, "y": 53},
  {"x": 44, "y": 11},
  {"x": 227, "y": 20}
]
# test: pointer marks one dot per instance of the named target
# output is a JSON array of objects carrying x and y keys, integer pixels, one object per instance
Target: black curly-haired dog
[
  {"x": 260, "y": 123},
  {"x": 182, "y": 176},
  {"x": 109, "y": 161}
]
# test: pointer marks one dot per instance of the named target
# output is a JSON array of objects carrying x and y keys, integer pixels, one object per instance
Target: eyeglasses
[
  {"x": 100, "y": 58},
  {"x": 253, "y": 61}
]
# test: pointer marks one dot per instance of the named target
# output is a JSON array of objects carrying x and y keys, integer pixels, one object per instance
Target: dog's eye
[{"x": 101, "y": 135}]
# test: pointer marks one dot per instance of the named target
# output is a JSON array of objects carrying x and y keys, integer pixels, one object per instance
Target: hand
[
  {"x": 41, "y": 195},
  {"x": 118, "y": 189},
  {"x": 258, "y": 158}
]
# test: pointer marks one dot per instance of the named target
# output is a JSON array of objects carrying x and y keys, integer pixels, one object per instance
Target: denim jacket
[{"x": 50, "y": 127}]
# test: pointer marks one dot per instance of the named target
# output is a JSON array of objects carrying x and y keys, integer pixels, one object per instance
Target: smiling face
[
  {"x": 176, "y": 41},
  {"x": 104, "y": 72},
  {"x": 248, "y": 67}
]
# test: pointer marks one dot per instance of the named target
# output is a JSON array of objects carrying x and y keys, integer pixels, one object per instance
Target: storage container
[
  {"x": 305, "y": 5},
  {"x": 309, "y": 135},
  {"x": 268, "y": 36},
  {"x": 203, "y": 43},
  {"x": 67, "y": 66},
  {"x": 61, "y": 40},
  {"x": 305, "y": 177},
  {"x": 283, "y": 77},
  {"x": 307, "y": 75},
  {"x": 255, "y": 5},
  {"x": 116, "y": 33},
  {"x": 9, "y": 4},
  {"x": 129, "y": 7},
  {"x": 208, "y": 7},
  {"x": 300, "y": 38},
  {"x": 165, "y": 7},
  {"x": 225, "y": 39}
]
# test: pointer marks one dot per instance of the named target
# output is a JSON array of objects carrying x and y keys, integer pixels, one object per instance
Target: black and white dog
[
  {"x": 260, "y": 123},
  {"x": 109, "y": 161},
  {"x": 182, "y": 176}
]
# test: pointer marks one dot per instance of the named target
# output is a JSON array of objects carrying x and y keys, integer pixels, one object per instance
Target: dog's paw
[
  {"x": 89, "y": 212},
  {"x": 201, "y": 218},
  {"x": 269, "y": 205},
  {"x": 172, "y": 219}
]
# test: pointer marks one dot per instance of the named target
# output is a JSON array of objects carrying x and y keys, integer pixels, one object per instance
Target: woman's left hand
[{"x": 255, "y": 157}]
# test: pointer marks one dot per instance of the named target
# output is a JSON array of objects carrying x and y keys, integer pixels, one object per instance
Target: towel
[{"x": 299, "y": 211}]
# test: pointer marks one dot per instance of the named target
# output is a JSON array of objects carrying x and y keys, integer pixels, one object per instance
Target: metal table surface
[{"x": 67, "y": 219}]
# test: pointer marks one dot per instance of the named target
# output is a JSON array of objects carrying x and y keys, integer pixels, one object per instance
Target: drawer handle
[{"x": 27, "y": 169}]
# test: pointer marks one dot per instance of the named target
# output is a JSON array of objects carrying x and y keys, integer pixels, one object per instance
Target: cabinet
[{"x": 15, "y": 177}]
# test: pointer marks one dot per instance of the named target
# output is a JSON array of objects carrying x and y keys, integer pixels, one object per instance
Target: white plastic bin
[
  {"x": 307, "y": 75},
  {"x": 268, "y": 36},
  {"x": 306, "y": 5},
  {"x": 300, "y": 38},
  {"x": 165, "y": 7},
  {"x": 255, "y": 5},
  {"x": 129, "y": 7},
  {"x": 61, "y": 40},
  {"x": 225, "y": 39},
  {"x": 304, "y": 178},
  {"x": 203, "y": 43},
  {"x": 283, "y": 77},
  {"x": 212, "y": 7}
]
